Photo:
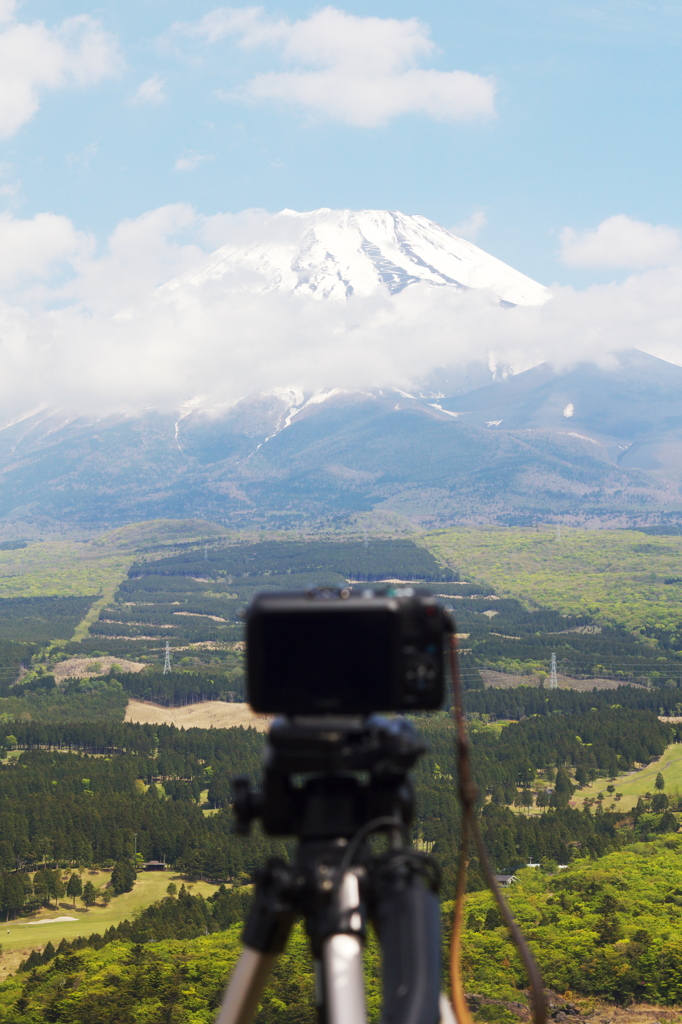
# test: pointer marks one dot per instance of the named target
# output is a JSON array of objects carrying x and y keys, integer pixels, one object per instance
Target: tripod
[{"x": 331, "y": 782}]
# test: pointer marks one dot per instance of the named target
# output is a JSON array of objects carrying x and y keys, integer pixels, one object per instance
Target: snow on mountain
[{"x": 339, "y": 253}]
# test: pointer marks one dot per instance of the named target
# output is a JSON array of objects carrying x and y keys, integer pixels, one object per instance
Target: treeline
[
  {"x": 178, "y": 688},
  {"x": 184, "y": 916},
  {"x": 41, "y": 619},
  {"x": 523, "y": 701},
  {"x": 201, "y": 745},
  {"x": 81, "y": 700},
  {"x": 378, "y": 559},
  {"x": 13, "y": 658}
]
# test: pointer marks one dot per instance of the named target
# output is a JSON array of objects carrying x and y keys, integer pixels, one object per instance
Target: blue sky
[
  {"x": 133, "y": 136},
  {"x": 586, "y": 125}
]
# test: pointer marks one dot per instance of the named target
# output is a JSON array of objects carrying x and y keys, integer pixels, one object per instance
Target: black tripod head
[{"x": 325, "y": 777}]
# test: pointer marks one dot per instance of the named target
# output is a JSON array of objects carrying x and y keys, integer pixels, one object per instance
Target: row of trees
[{"x": 19, "y": 891}]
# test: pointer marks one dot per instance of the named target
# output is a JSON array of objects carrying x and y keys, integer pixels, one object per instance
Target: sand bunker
[
  {"x": 211, "y": 713},
  {"x": 51, "y": 920}
]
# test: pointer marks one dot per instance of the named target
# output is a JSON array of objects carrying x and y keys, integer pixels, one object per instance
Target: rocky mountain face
[{"x": 586, "y": 445}]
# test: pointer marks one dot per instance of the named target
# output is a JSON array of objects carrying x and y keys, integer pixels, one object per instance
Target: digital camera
[{"x": 346, "y": 651}]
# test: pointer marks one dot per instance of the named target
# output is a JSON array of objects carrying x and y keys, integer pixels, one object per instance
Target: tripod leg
[
  {"x": 265, "y": 935},
  {"x": 447, "y": 1014},
  {"x": 342, "y": 996},
  {"x": 343, "y": 993},
  {"x": 407, "y": 919},
  {"x": 249, "y": 978}
]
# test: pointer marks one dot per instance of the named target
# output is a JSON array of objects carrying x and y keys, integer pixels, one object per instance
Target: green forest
[
  {"x": 84, "y": 794},
  {"x": 607, "y": 928}
]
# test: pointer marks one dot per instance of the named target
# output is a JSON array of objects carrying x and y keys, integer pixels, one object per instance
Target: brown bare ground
[
  {"x": 216, "y": 714},
  {"x": 10, "y": 960},
  {"x": 83, "y": 668},
  {"x": 637, "y": 1013},
  {"x": 504, "y": 681}
]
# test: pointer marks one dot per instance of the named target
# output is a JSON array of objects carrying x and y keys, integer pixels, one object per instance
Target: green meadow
[
  {"x": 638, "y": 783},
  {"x": 24, "y": 934},
  {"x": 612, "y": 575}
]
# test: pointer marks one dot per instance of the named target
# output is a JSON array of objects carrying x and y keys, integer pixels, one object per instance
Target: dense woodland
[
  {"x": 79, "y": 792},
  {"x": 80, "y": 787},
  {"x": 41, "y": 618}
]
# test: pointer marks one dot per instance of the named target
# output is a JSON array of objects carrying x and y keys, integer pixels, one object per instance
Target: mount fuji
[
  {"x": 586, "y": 445},
  {"x": 335, "y": 254}
]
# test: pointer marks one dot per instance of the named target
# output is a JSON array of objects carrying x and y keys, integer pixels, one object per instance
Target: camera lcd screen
[{"x": 324, "y": 661}]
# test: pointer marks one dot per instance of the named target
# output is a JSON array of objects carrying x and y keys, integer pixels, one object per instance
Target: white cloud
[
  {"x": 358, "y": 70},
  {"x": 150, "y": 91},
  {"x": 34, "y": 58},
  {"x": 108, "y": 337},
  {"x": 32, "y": 249},
  {"x": 7, "y": 9},
  {"x": 471, "y": 227},
  {"x": 621, "y": 241},
  {"x": 189, "y": 161}
]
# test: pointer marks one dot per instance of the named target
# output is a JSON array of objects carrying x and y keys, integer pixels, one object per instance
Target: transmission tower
[
  {"x": 558, "y": 532},
  {"x": 166, "y": 664},
  {"x": 206, "y": 552},
  {"x": 553, "y": 682}
]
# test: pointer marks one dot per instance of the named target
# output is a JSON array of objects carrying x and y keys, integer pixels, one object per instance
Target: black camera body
[{"x": 354, "y": 650}]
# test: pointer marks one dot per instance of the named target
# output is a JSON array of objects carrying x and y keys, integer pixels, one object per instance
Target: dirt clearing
[
  {"x": 208, "y": 714},
  {"x": 84, "y": 668},
  {"x": 504, "y": 681}
]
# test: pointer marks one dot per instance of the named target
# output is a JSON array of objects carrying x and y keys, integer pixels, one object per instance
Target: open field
[
  {"x": 503, "y": 680},
  {"x": 24, "y": 936},
  {"x": 611, "y": 575},
  {"x": 636, "y": 784},
  {"x": 210, "y": 714}
]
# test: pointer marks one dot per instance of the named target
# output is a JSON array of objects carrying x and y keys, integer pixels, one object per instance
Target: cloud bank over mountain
[{"x": 93, "y": 330}]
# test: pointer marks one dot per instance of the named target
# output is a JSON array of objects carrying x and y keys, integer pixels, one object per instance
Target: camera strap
[{"x": 468, "y": 793}]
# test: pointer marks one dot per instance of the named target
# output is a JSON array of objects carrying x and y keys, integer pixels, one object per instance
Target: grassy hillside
[
  {"x": 613, "y": 575},
  {"x": 635, "y": 784}
]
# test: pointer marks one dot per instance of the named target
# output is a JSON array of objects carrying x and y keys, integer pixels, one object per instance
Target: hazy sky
[{"x": 548, "y": 132}]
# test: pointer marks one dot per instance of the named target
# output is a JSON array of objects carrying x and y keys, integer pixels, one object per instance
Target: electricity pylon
[
  {"x": 553, "y": 681},
  {"x": 166, "y": 664}
]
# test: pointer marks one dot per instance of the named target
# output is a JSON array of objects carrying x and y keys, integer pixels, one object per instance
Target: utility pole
[
  {"x": 553, "y": 682},
  {"x": 167, "y": 664}
]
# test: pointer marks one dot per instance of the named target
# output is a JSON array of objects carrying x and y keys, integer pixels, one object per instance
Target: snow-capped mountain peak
[{"x": 340, "y": 253}]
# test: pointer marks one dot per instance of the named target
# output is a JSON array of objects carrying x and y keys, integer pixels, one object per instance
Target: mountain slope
[{"x": 502, "y": 453}]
